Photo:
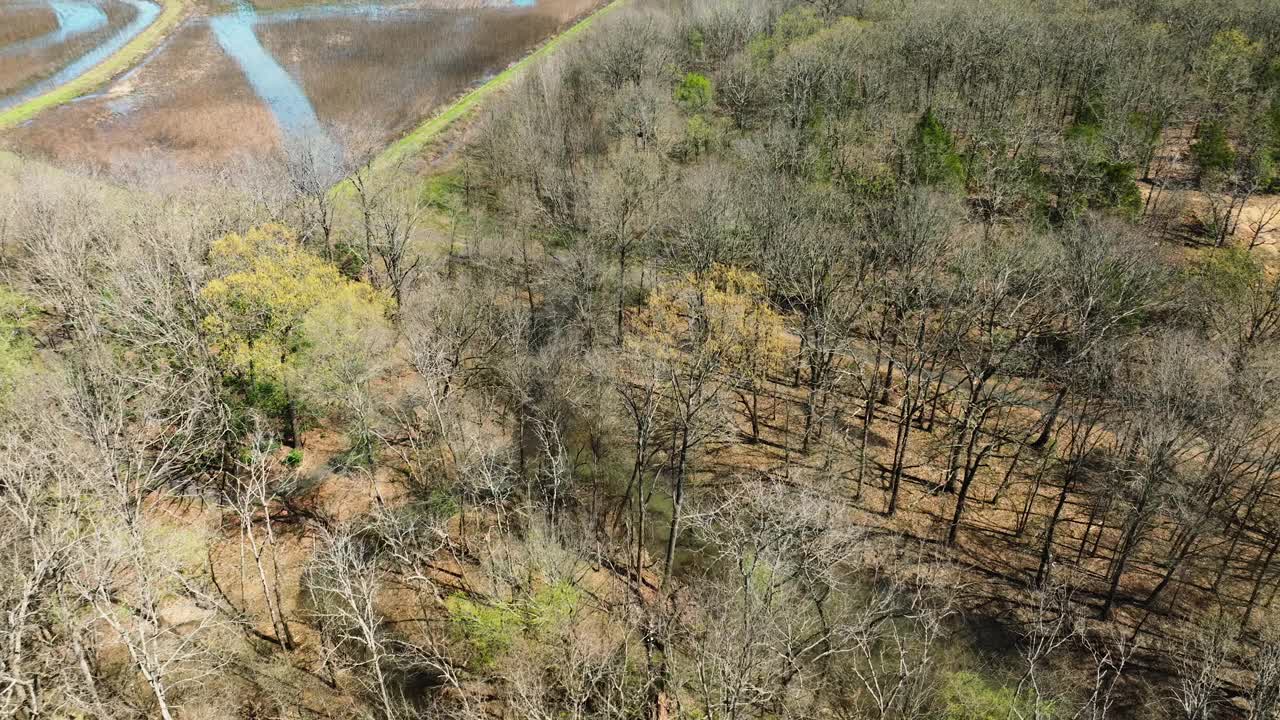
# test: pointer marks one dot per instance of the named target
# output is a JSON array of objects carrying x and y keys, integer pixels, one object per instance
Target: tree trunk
[
  {"x": 1259, "y": 580},
  {"x": 292, "y": 438},
  {"x": 970, "y": 407},
  {"x": 1179, "y": 556},
  {"x": 1122, "y": 559},
  {"x": 1050, "y": 420},
  {"x": 1046, "y": 550},
  {"x": 622, "y": 292},
  {"x": 677, "y": 504},
  {"x": 899, "y": 453},
  {"x": 971, "y": 471}
]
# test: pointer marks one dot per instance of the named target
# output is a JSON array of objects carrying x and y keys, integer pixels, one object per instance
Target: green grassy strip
[
  {"x": 422, "y": 136},
  {"x": 174, "y": 11}
]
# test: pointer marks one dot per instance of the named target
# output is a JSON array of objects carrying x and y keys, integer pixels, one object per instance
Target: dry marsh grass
[
  {"x": 190, "y": 103},
  {"x": 390, "y": 75},
  {"x": 24, "y": 69},
  {"x": 214, "y": 7},
  {"x": 18, "y": 24}
]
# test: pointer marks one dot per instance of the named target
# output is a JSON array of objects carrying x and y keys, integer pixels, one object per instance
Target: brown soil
[
  {"x": 999, "y": 561},
  {"x": 1182, "y": 211}
]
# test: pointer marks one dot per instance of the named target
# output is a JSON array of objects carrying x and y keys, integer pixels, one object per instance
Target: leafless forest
[{"x": 744, "y": 359}]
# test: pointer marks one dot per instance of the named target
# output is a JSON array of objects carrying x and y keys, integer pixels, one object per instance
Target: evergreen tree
[{"x": 936, "y": 159}]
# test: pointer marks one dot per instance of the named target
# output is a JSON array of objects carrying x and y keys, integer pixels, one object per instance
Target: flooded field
[
  {"x": 33, "y": 27},
  {"x": 42, "y": 43},
  {"x": 248, "y": 77}
]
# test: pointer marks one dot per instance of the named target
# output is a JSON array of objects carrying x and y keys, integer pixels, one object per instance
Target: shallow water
[
  {"x": 271, "y": 82},
  {"x": 293, "y": 110},
  {"x": 147, "y": 12},
  {"x": 74, "y": 18},
  {"x": 320, "y": 12},
  {"x": 370, "y": 70}
]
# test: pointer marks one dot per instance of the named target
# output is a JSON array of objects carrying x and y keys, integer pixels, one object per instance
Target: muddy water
[
  {"x": 74, "y": 18},
  {"x": 146, "y": 12}
]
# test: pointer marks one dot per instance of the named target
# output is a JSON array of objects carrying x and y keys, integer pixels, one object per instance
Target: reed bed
[
  {"x": 23, "y": 23},
  {"x": 388, "y": 76},
  {"x": 25, "y": 69},
  {"x": 376, "y": 79},
  {"x": 189, "y": 104}
]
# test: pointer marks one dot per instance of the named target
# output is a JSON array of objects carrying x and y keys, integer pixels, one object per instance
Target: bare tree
[
  {"x": 1262, "y": 223},
  {"x": 253, "y": 499},
  {"x": 1110, "y": 654},
  {"x": 342, "y": 583},
  {"x": 1004, "y": 288},
  {"x": 314, "y": 166},
  {"x": 894, "y": 641},
  {"x": 626, "y": 207},
  {"x": 40, "y": 499},
  {"x": 1264, "y": 701},
  {"x": 1201, "y": 659},
  {"x": 391, "y": 213}
]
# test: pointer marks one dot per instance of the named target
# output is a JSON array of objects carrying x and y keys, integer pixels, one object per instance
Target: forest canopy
[{"x": 857, "y": 359}]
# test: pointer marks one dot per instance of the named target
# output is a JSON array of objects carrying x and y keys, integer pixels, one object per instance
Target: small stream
[
  {"x": 147, "y": 12},
  {"x": 74, "y": 17}
]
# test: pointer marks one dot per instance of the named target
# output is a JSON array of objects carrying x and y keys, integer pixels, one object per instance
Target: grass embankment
[
  {"x": 173, "y": 12},
  {"x": 422, "y": 136}
]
